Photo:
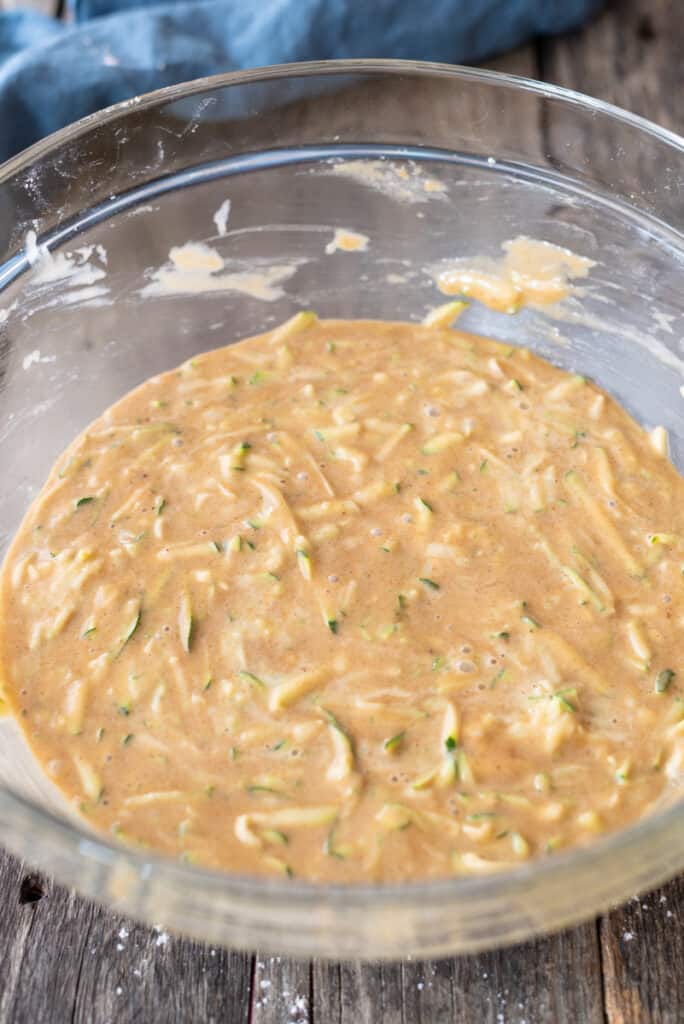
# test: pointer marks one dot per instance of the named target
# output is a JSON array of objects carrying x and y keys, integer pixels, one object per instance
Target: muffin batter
[{"x": 354, "y": 601}]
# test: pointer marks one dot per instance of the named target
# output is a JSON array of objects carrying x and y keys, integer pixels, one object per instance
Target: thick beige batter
[{"x": 354, "y": 600}]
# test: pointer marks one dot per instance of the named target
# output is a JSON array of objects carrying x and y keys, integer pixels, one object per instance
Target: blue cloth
[{"x": 52, "y": 73}]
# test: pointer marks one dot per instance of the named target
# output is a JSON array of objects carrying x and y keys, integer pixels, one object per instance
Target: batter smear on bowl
[{"x": 354, "y": 600}]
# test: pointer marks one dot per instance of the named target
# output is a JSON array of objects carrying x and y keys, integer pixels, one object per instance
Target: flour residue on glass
[
  {"x": 663, "y": 321},
  {"x": 196, "y": 268},
  {"x": 346, "y": 240},
  {"x": 35, "y": 357},
  {"x": 405, "y": 182},
  {"x": 221, "y": 216},
  {"x": 5, "y": 313},
  {"x": 81, "y": 268},
  {"x": 574, "y": 313}
]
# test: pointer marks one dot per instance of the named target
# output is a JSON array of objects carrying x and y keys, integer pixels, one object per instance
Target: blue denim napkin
[{"x": 52, "y": 73}]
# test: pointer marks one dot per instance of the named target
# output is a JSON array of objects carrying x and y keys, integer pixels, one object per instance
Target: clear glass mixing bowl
[{"x": 112, "y": 194}]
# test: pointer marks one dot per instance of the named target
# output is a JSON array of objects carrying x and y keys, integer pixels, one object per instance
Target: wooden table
[{"x": 64, "y": 960}]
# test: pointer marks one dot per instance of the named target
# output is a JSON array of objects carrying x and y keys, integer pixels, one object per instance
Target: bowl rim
[
  {"x": 306, "y": 69},
  {"x": 350, "y": 895},
  {"x": 70, "y": 837}
]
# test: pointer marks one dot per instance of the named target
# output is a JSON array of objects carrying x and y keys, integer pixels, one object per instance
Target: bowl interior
[{"x": 94, "y": 306}]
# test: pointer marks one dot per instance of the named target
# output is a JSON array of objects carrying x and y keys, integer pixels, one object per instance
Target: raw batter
[{"x": 351, "y": 601}]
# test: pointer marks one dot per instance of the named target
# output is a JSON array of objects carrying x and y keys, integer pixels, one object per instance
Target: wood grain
[
  {"x": 66, "y": 961},
  {"x": 130, "y": 973},
  {"x": 281, "y": 990},
  {"x": 633, "y": 61},
  {"x": 631, "y": 55},
  {"x": 643, "y": 947},
  {"x": 43, "y": 985},
  {"x": 555, "y": 979}
]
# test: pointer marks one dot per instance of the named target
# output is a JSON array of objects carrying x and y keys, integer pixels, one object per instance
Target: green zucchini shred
[
  {"x": 664, "y": 679},
  {"x": 394, "y": 742}
]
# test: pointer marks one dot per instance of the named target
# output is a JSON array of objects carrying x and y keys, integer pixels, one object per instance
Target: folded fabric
[{"x": 52, "y": 73}]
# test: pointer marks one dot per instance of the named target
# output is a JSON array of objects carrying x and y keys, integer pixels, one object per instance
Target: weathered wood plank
[
  {"x": 326, "y": 992},
  {"x": 66, "y": 961},
  {"x": 630, "y": 55},
  {"x": 555, "y": 979},
  {"x": 281, "y": 991},
  {"x": 46, "y": 952},
  {"x": 16, "y": 922},
  {"x": 428, "y": 991},
  {"x": 643, "y": 950},
  {"x": 371, "y": 992},
  {"x": 132, "y": 973}
]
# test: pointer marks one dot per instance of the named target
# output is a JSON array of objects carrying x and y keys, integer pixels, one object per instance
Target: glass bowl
[{"x": 88, "y": 219}]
